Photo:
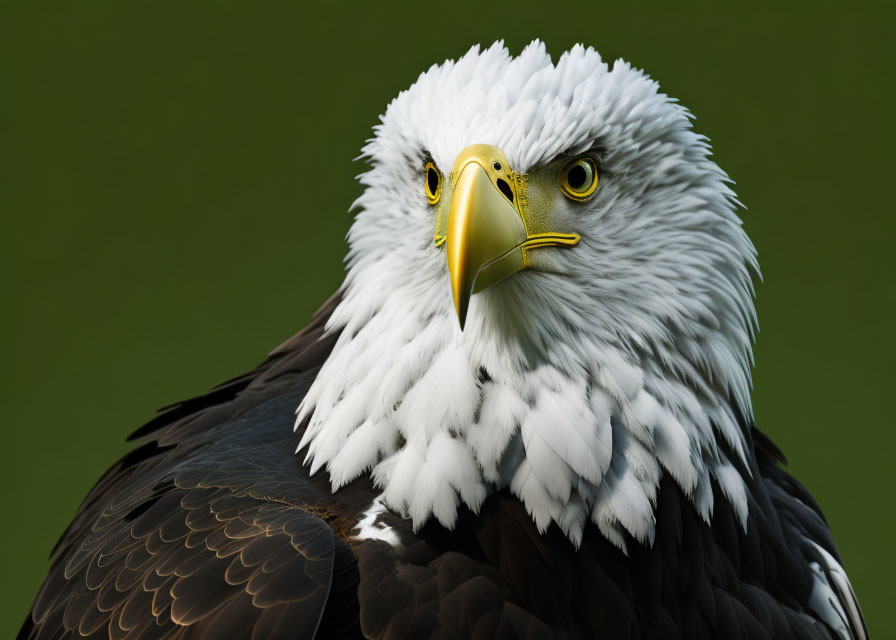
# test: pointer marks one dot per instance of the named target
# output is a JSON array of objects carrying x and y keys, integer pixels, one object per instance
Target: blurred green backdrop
[{"x": 175, "y": 182}]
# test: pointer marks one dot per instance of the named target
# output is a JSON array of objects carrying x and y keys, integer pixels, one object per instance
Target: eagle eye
[
  {"x": 433, "y": 183},
  {"x": 578, "y": 179}
]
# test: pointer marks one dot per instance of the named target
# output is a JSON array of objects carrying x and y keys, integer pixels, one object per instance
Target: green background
[{"x": 175, "y": 182}]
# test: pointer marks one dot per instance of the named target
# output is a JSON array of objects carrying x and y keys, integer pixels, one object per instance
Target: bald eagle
[{"x": 525, "y": 414}]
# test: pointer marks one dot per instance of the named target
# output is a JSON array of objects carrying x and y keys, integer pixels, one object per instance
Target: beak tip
[{"x": 461, "y": 315}]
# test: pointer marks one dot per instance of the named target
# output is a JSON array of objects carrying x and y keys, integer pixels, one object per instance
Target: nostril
[{"x": 505, "y": 189}]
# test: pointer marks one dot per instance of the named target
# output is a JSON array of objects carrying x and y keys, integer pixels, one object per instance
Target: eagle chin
[{"x": 525, "y": 413}]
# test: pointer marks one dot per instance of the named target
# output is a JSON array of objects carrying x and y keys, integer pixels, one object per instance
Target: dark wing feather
[
  {"x": 806, "y": 527},
  {"x": 210, "y": 528},
  {"x": 205, "y": 560}
]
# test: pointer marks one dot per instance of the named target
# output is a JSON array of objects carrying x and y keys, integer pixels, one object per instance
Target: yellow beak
[{"x": 486, "y": 235}]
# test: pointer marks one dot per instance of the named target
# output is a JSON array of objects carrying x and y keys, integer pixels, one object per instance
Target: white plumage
[{"x": 617, "y": 363}]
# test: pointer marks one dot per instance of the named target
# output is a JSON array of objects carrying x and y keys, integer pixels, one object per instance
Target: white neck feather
[{"x": 441, "y": 419}]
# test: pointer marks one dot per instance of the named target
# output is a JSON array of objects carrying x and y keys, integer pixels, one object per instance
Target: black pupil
[
  {"x": 576, "y": 177},
  {"x": 432, "y": 181}
]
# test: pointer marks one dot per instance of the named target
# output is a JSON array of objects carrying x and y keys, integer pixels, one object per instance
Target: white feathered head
[{"x": 548, "y": 290}]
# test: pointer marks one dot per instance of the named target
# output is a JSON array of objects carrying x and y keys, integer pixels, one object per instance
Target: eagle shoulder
[
  {"x": 192, "y": 562},
  {"x": 211, "y": 528}
]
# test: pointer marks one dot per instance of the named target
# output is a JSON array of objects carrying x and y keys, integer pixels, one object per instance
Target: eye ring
[
  {"x": 578, "y": 179},
  {"x": 432, "y": 183}
]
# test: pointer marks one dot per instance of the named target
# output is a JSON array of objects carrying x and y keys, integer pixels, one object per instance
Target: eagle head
[{"x": 548, "y": 291}]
